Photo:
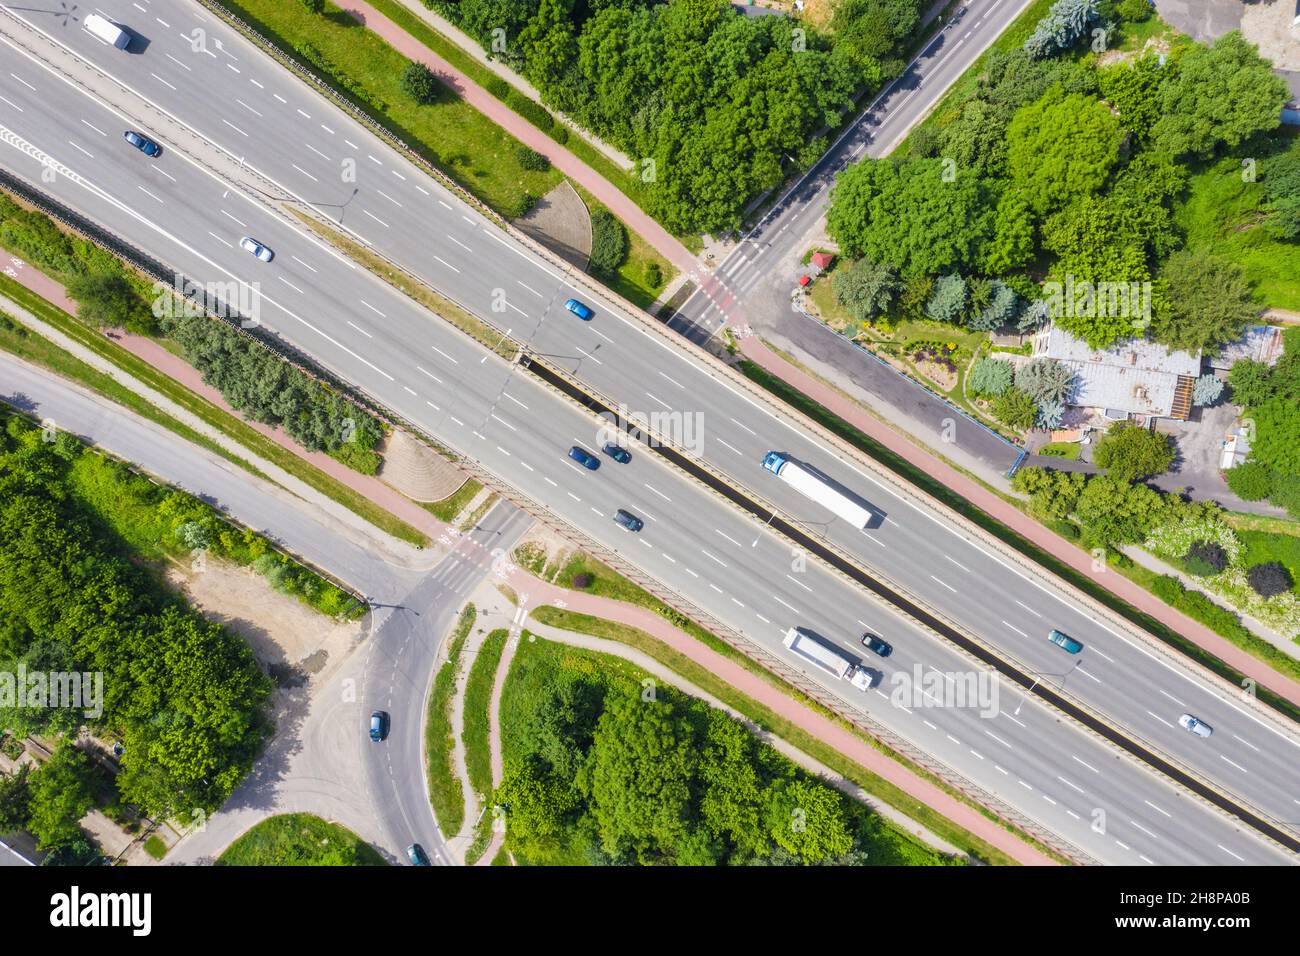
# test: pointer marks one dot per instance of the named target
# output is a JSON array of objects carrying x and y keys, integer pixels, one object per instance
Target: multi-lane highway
[{"x": 209, "y": 96}]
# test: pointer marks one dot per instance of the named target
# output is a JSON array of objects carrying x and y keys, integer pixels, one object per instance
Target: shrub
[
  {"x": 608, "y": 242},
  {"x": 990, "y": 377},
  {"x": 521, "y": 206},
  {"x": 498, "y": 87},
  {"x": 1132, "y": 452},
  {"x": 1045, "y": 380},
  {"x": 1050, "y": 414},
  {"x": 531, "y": 159},
  {"x": 1269, "y": 579},
  {"x": 1015, "y": 409},
  {"x": 1205, "y": 558},
  {"x": 1064, "y": 24},
  {"x": 654, "y": 276},
  {"x": 530, "y": 111},
  {"x": 1134, "y": 11},
  {"x": 865, "y": 288},
  {"x": 1251, "y": 480},
  {"x": 581, "y": 581},
  {"x": 419, "y": 83},
  {"x": 560, "y": 133},
  {"x": 1208, "y": 388},
  {"x": 314, "y": 6},
  {"x": 948, "y": 300}
]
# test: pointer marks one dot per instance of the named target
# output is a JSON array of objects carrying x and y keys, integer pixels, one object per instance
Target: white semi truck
[
  {"x": 828, "y": 658},
  {"x": 815, "y": 487}
]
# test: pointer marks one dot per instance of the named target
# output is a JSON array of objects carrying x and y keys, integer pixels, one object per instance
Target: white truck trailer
[
  {"x": 828, "y": 658},
  {"x": 815, "y": 487}
]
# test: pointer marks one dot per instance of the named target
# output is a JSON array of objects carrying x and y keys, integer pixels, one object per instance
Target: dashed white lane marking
[
  {"x": 1173, "y": 698},
  {"x": 525, "y": 285},
  {"x": 958, "y": 563},
  {"x": 444, "y": 355},
  {"x": 249, "y": 108},
  {"x": 11, "y": 103},
  {"x": 149, "y": 194},
  {"x": 234, "y": 127},
  {"x": 301, "y": 113},
  {"x": 1229, "y": 852},
  {"x": 1016, "y": 629},
  {"x": 589, "y": 355},
  {"x": 307, "y": 174},
  {"x": 998, "y": 739},
  {"x": 800, "y": 583},
  {"x": 290, "y": 284},
  {"x": 944, "y": 583},
  {"x": 659, "y": 400},
  {"x": 233, "y": 219},
  {"x": 81, "y": 149},
  {"x": 361, "y": 330},
  {"x": 515, "y": 400},
  {"x": 375, "y": 218},
  {"x": 1157, "y": 809},
  {"x": 1247, "y": 743},
  {"x": 447, "y": 264},
  {"x": 786, "y": 603},
  {"x": 95, "y": 128},
  {"x": 1233, "y": 763},
  {"x": 1088, "y": 675},
  {"x": 712, "y": 557},
  {"x": 673, "y": 380},
  {"x": 372, "y": 308},
  {"x": 228, "y": 245},
  {"x": 1029, "y": 609},
  {"x": 1069, "y": 784},
  {"x": 744, "y": 426},
  {"x": 504, "y": 422},
  {"x": 178, "y": 63},
  {"x": 658, "y": 492},
  {"x": 457, "y": 241},
  {"x": 728, "y": 537},
  {"x": 1161, "y": 719},
  {"x": 727, "y": 445},
  {"x": 301, "y": 263},
  {"x": 162, "y": 81},
  {"x": 1143, "y": 829},
  {"x": 409, "y": 389},
  {"x": 1085, "y": 763},
  {"x": 327, "y": 129},
  {"x": 316, "y": 151},
  {"x": 549, "y": 481}
]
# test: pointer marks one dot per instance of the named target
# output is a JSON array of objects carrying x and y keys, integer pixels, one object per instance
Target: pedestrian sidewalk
[
  {"x": 187, "y": 375},
  {"x": 441, "y": 25},
  {"x": 995, "y": 506},
  {"x": 624, "y": 208},
  {"x": 534, "y": 592}
]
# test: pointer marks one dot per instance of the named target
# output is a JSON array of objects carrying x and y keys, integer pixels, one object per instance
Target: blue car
[
  {"x": 578, "y": 309},
  {"x": 617, "y": 452},
  {"x": 1065, "y": 641},
  {"x": 585, "y": 458},
  {"x": 142, "y": 143},
  {"x": 415, "y": 853}
]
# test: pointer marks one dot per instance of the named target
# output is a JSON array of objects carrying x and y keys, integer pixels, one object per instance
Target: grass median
[{"x": 230, "y": 425}]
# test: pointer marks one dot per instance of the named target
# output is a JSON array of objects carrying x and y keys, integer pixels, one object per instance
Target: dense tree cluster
[
  {"x": 600, "y": 771},
  {"x": 1132, "y": 452},
  {"x": 1051, "y": 167},
  {"x": 184, "y": 695},
  {"x": 708, "y": 102},
  {"x": 268, "y": 389}
]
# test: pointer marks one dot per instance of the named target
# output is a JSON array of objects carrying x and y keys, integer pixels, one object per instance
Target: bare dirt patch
[{"x": 292, "y": 641}]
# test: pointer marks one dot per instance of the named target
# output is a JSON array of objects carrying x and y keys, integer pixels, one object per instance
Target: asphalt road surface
[{"x": 192, "y": 218}]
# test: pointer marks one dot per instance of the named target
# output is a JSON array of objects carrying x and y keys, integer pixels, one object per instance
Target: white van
[{"x": 107, "y": 31}]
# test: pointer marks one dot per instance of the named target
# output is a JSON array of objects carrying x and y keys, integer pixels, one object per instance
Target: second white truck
[{"x": 828, "y": 658}]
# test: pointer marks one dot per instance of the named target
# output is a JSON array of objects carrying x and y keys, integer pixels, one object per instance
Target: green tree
[
  {"x": 1114, "y": 511},
  {"x": 1015, "y": 409},
  {"x": 1012, "y": 243},
  {"x": 1133, "y": 88},
  {"x": 1210, "y": 302},
  {"x": 15, "y": 799},
  {"x": 419, "y": 83},
  {"x": 1281, "y": 180},
  {"x": 638, "y": 778},
  {"x": 1130, "y": 452},
  {"x": 1277, "y": 435},
  {"x": 1250, "y": 480},
  {"x": 108, "y": 301},
  {"x": 807, "y": 819},
  {"x": 1218, "y": 95},
  {"x": 908, "y": 215},
  {"x": 609, "y": 243},
  {"x": 61, "y": 795},
  {"x": 1061, "y": 149},
  {"x": 867, "y": 289}
]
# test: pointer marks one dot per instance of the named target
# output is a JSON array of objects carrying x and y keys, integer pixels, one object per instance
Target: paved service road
[{"x": 716, "y": 558}]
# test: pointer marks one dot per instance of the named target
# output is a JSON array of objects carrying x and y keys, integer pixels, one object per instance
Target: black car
[
  {"x": 585, "y": 458},
  {"x": 415, "y": 853},
  {"x": 876, "y": 645},
  {"x": 142, "y": 143},
  {"x": 617, "y": 452},
  {"x": 378, "y": 726},
  {"x": 628, "y": 520}
]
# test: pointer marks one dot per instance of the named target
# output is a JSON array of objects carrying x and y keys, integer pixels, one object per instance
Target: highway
[{"x": 189, "y": 217}]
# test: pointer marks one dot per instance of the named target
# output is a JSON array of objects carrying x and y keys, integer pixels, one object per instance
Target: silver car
[
  {"x": 1198, "y": 727},
  {"x": 256, "y": 248}
]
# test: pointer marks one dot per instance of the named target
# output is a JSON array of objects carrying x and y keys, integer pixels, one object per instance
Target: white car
[
  {"x": 1198, "y": 727},
  {"x": 256, "y": 248}
]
